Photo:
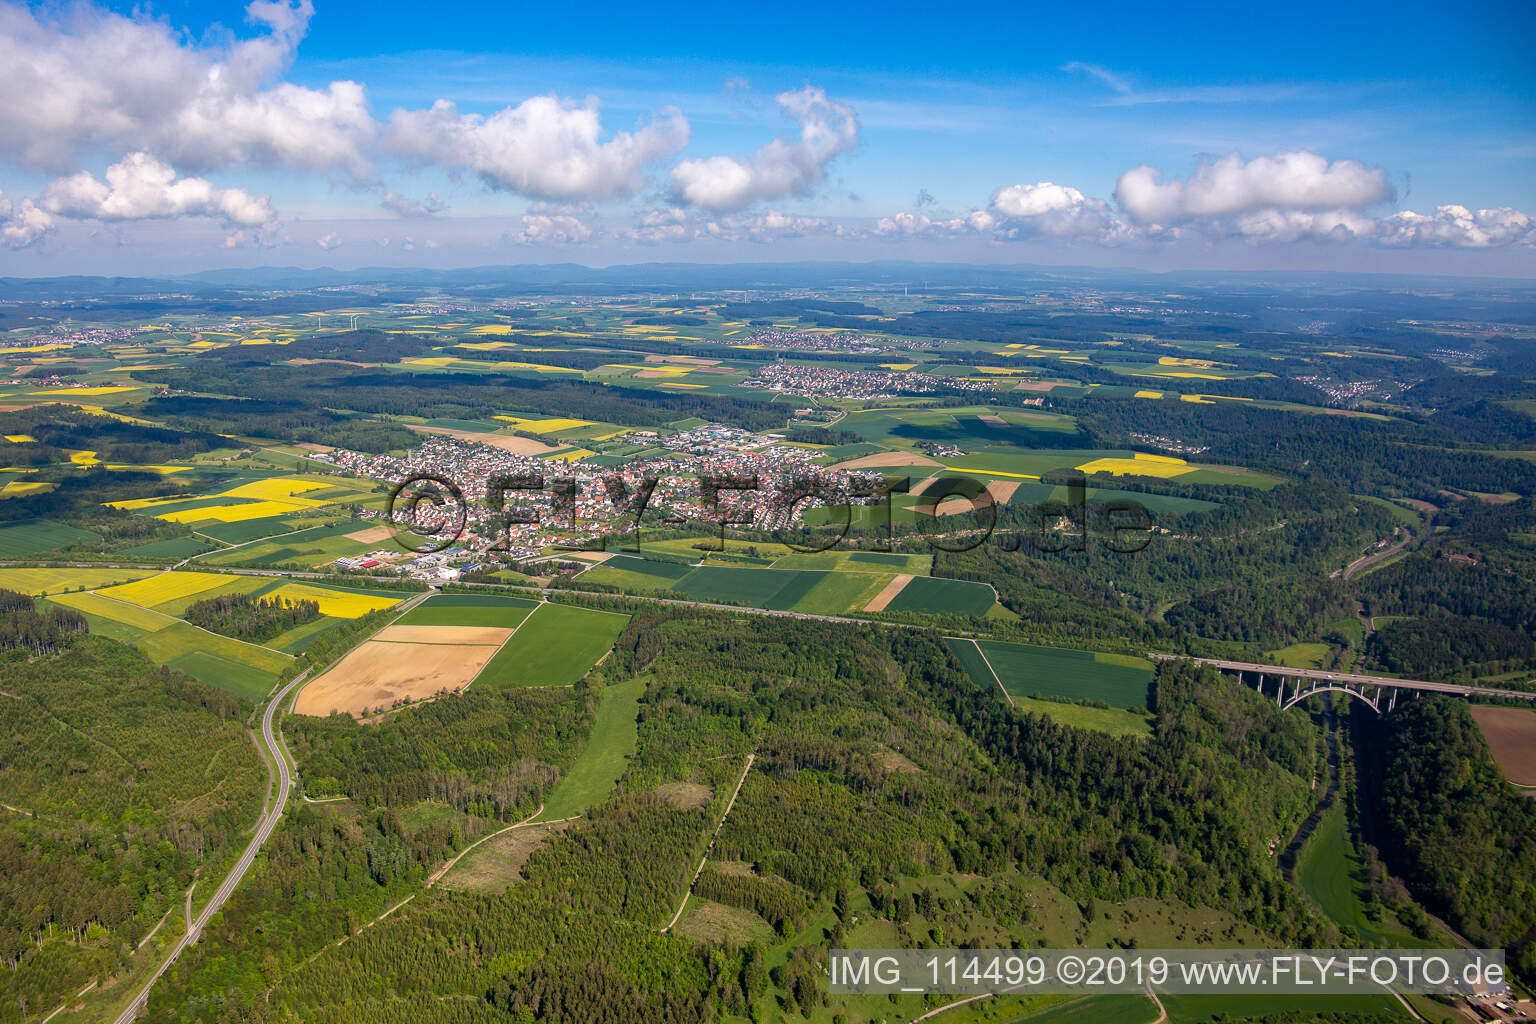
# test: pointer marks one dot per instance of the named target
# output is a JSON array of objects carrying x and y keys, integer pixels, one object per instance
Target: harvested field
[
  {"x": 888, "y": 459},
  {"x": 311, "y": 446},
  {"x": 993, "y": 421},
  {"x": 1511, "y": 733},
  {"x": 684, "y": 795},
  {"x": 506, "y": 442},
  {"x": 372, "y": 535},
  {"x": 891, "y": 590},
  {"x": 1002, "y": 490},
  {"x": 498, "y": 863},
  {"x": 379, "y": 673},
  {"x": 471, "y": 635}
]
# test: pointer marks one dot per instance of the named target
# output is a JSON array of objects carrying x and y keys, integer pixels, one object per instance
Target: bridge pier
[
  {"x": 1280, "y": 699},
  {"x": 1392, "y": 700}
]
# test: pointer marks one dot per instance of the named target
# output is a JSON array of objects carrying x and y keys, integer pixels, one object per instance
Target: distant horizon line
[{"x": 1086, "y": 270}]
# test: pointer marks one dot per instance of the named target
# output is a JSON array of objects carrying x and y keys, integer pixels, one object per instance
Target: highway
[
  {"x": 1354, "y": 678},
  {"x": 273, "y": 754}
]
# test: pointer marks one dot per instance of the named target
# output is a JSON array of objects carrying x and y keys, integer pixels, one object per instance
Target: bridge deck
[{"x": 1391, "y": 682}]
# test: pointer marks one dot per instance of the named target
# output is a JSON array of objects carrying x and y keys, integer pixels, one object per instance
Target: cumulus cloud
[
  {"x": 1048, "y": 210},
  {"x": 142, "y": 187},
  {"x": 772, "y": 226},
  {"x": 918, "y": 225},
  {"x": 784, "y": 167},
  {"x": 551, "y": 229},
  {"x": 88, "y": 79},
  {"x": 401, "y": 206},
  {"x": 1459, "y": 227},
  {"x": 544, "y": 147},
  {"x": 673, "y": 224},
  {"x": 1232, "y": 187},
  {"x": 22, "y": 223},
  {"x": 679, "y": 224},
  {"x": 1274, "y": 225},
  {"x": 328, "y": 241}
]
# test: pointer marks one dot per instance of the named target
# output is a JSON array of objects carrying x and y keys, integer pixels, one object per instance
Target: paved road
[
  {"x": 264, "y": 826},
  {"x": 1366, "y": 561},
  {"x": 1390, "y": 682}
]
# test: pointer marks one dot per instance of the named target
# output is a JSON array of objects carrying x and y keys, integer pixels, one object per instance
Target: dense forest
[
  {"x": 879, "y": 765},
  {"x": 1448, "y": 823},
  {"x": 22, "y": 625},
  {"x": 121, "y": 780},
  {"x": 249, "y": 618}
]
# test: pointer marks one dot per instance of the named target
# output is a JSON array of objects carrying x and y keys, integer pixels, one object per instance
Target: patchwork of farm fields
[
  {"x": 452, "y": 640},
  {"x": 145, "y": 609},
  {"x": 850, "y": 587}
]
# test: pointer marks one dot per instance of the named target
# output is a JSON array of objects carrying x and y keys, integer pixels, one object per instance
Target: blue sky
[{"x": 1348, "y": 136}]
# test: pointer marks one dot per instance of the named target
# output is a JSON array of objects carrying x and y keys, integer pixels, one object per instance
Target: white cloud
[
  {"x": 402, "y": 206},
  {"x": 1048, "y": 210},
  {"x": 328, "y": 241},
  {"x": 784, "y": 167},
  {"x": 772, "y": 226},
  {"x": 670, "y": 225},
  {"x": 1459, "y": 227},
  {"x": 918, "y": 225},
  {"x": 1233, "y": 187},
  {"x": 551, "y": 229},
  {"x": 1272, "y": 225},
  {"x": 22, "y": 223},
  {"x": 544, "y": 147},
  {"x": 677, "y": 224},
  {"x": 90, "y": 79},
  {"x": 141, "y": 187}
]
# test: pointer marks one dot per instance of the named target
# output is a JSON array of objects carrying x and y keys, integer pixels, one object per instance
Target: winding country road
[{"x": 273, "y": 754}]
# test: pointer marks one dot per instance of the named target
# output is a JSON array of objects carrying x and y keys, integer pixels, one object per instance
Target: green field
[
  {"x": 962, "y": 427},
  {"x": 837, "y": 593},
  {"x": 932, "y": 595},
  {"x": 1115, "y": 721},
  {"x": 310, "y": 548},
  {"x": 845, "y": 560},
  {"x": 469, "y": 610},
  {"x": 1204, "y": 1009},
  {"x": 1116, "y": 679},
  {"x": 35, "y": 536},
  {"x": 592, "y": 776},
  {"x": 1300, "y": 656},
  {"x": 841, "y": 583},
  {"x": 174, "y": 549},
  {"x": 298, "y": 639},
  {"x": 245, "y": 670},
  {"x": 555, "y": 645},
  {"x": 662, "y": 569},
  {"x": 1331, "y": 871}
]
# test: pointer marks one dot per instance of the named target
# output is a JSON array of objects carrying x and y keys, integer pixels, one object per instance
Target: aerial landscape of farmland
[{"x": 534, "y": 514}]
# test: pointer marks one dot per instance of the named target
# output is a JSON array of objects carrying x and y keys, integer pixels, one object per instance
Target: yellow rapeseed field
[
  {"x": 52, "y": 581},
  {"x": 1163, "y": 466},
  {"x": 548, "y": 426},
  {"x": 86, "y": 391},
  {"x": 168, "y": 586},
  {"x": 18, "y": 489},
  {"x": 230, "y": 513},
  {"x": 337, "y": 603},
  {"x": 278, "y": 488}
]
